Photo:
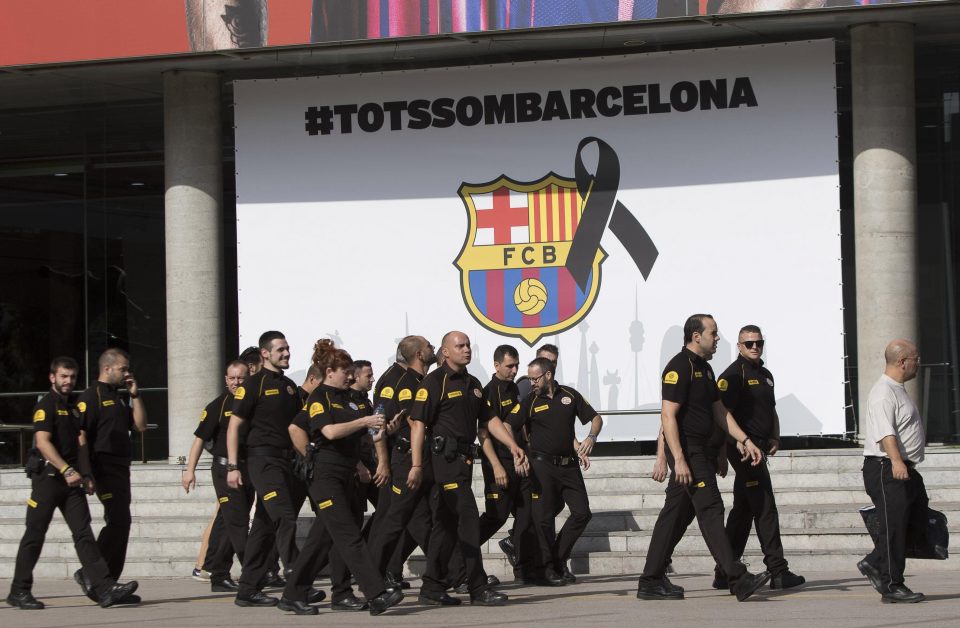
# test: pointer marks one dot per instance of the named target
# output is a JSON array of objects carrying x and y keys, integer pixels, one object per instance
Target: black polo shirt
[
  {"x": 327, "y": 406},
  {"x": 399, "y": 396},
  {"x": 689, "y": 381},
  {"x": 58, "y": 416},
  {"x": 268, "y": 401},
  {"x": 367, "y": 452},
  {"x": 214, "y": 421},
  {"x": 550, "y": 421},
  {"x": 451, "y": 403},
  {"x": 503, "y": 396},
  {"x": 746, "y": 389},
  {"x": 107, "y": 420}
]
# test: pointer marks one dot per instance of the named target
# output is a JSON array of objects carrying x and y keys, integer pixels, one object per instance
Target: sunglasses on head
[{"x": 750, "y": 344}]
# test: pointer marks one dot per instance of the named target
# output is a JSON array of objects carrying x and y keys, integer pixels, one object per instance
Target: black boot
[
  {"x": 296, "y": 606},
  {"x": 24, "y": 600},
  {"x": 385, "y": 600}
]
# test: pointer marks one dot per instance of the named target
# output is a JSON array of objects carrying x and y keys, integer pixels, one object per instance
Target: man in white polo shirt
[{"x": 893, "y": 445}]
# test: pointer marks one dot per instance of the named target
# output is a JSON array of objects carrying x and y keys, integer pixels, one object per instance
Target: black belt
[
  {"x": 223, "y": 461},
  {"x": 909, "y": 463},
  {"x": 557, "y": 461},
  {"x": 276, "y": 452}
]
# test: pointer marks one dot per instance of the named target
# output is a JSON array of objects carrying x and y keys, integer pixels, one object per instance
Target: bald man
[{"x": 893, "y": 444}]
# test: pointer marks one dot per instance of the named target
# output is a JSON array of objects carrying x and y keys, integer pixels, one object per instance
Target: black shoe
[
  {"x": 551, "y": 579},
  {"x": 129, "y": 600},
  {"x": 349, "y": 603},
  {"x": 720, "y": 581},
  {"x": 748, "y": 584},
  {"x": 395, "y": 582},
  {"x": 568, "y": 575},
  {"x": 463, "y": 588},
  {"x": 384, "y": 601},
  {"x": 85, "y": 585},
  {"x": 257, "y": 599},
  {"x": 271, "y": 580},
  {"x": 224, "y": 585},
  {"x": 506, "y": 546},
  {"x": 493, "y": 581},
  {"x": 117, "y": 593},
  {"x": 25, "y": 601},
  {"x": 296, "y": 606},
  {"x": 900, "y": 594},
  {"x": 489, "y": 597},
  {"x": 671, "y": 586},
  {"x": 315, "y": 596},
  {"x": 442, "y": 600},
  {"x": 872, "y": 574},
  {"x": 786, "y": 580},
  {"x": 657, "y": 591}
]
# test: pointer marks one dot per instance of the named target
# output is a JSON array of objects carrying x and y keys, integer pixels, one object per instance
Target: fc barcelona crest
[{"x": 531, "y": 262}]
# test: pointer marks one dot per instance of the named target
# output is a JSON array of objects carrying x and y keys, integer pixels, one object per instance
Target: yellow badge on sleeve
[
  {"x": 386, "y": 393},
  {"x": 515, "y": 410},
  {"x": 316, "y": 408},
  {"x": 671, "y": 378},
  {"x": 82, "y": 406},
  {"x": 405, "y": 395},
  {"x": 239, "y": 395},
  {"x": 422, "y": 394},
  {"x": 203, "y": 416},
  {"x": 722, "y": 385},
  {"x": 39, "y": 415}
]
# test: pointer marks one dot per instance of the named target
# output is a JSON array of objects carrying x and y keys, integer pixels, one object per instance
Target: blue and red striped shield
[{"x": 512, "y": 265}]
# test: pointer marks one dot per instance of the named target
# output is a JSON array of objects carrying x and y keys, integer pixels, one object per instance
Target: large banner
[
  {"x": 57, "y": 31},
  {"x": 592, "y": 204}
]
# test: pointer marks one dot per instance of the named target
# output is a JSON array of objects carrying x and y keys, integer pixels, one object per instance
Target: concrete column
[
  {"x": 885, "y": 195},
  {"x": 194, "y": 249}
]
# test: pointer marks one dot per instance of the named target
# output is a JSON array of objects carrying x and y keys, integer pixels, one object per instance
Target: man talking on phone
[{"x": 106, "y": 421}]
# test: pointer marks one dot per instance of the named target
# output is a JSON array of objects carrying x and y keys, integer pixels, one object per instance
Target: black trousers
[
  {"x": 455, "y": 520},
  {"x": 276, "y": 489},
  {"x": 900, "y": 504},
  {"x": 49, "y": 493},
  {"x": 234, "y": 515},
  {"x": 703, "y": 496},
  {"x": 332, "y": 490},
  {"x": 219, "y": 554},
  {"x": 113, "y": 490},
  {"x": 555, "y": 485},
  {"x": 406, "y": 521},
  {"x": 753, "y": 502}
]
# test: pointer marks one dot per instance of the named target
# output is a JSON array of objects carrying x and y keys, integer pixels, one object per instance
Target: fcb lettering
[{"x": 513, "y": 108}]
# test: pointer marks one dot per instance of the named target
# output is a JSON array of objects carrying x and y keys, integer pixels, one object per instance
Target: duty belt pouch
[
  {"x": 34, "y": 464},
  {"x": 439, "y": 445},
  {"x": 451, "y": 449}
]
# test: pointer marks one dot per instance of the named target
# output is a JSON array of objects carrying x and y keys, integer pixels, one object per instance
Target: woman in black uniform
[{"x": 334, "y": 424}]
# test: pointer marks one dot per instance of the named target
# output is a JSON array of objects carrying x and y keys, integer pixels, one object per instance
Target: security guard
[
  {"x": 374, "y": 456},
  {"x": 235, "y": 504},
  {"x": 60, "y": 481},
  {"x": 268, "y": 401},
  {"x": 450, "y": 401},
  {"x": 336, "y": 427},
  {"x": 691, "y": 407},
  {"x": 407, "y": 520},
  {"x": 549, "y": 413},
  {"x": 105, "y": 422},
  {"x": 746, "y": 389}
]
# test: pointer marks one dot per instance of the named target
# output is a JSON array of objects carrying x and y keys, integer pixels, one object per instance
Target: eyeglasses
[
  {"x": 750, "y": 344},
  {"x": 537, "y": 378}
]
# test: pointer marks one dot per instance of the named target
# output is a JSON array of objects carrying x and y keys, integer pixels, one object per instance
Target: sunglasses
[{"x": 750, "y": 344}]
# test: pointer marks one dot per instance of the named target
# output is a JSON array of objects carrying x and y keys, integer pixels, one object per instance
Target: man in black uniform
[
  {"x": 234, "y": 503},
  {"x": 549, "y": 413},
  {"x": 374, "y": 456},
  {"x": 269, "y": 401},
  {"x": 746, "y": 389},
  {"x": 61, "y": 483},
  {"x": 106, "y": 422},
  {"x": 406, "y": 521},
  {"x": 691, "y": 407},
  {"x": 450, "y": 401}
]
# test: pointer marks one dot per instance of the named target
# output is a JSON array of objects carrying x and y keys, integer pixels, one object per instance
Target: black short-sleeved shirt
[
  {"x": 550, "y": 422},
  {"x": 59, "y": 416},
  {"x": 214, "y": 421},
  {"x": 327, "y": 406},
  {"x": 689, "y": 380},
  {"x": 397, "y": 394},
  {"x": 367, "y": 452},
  {"x": 504, "y": 397},
  {"x": 107, "y": 420},
  {"x": 268, "y": 401},
  {"x": 451, "y": 403},
  {"x": 746, "y": 389}
]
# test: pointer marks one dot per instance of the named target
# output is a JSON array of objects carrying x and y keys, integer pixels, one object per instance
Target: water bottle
[{"x": 378, "y": 410}]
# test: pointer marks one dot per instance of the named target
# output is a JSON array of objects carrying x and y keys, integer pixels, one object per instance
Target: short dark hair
[
  {"x": 268, "y": 337},
  {"x": 63, "y": 362},
  {"x": 359, "y": 364},
  {"x": 550, "y": 348},
  {"x": 407, "y": 349},
  {"x": 251, "y": 355},
  {"x": 694, "y": 325},
  {"x": 315, "y": 372},
  {"x": 110, "y": 357},
  {"x": 750, "y": 329},
  {"x": 503, "y": 351},
  {"x": 545, "y": 365},
  {"x": 234, "y": 363}
]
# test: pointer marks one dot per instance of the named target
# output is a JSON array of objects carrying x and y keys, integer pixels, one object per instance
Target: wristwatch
[{"x": 232, "y": 467}]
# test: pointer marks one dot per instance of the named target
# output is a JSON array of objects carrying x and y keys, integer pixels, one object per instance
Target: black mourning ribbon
[{"x": 600, "y": 193}]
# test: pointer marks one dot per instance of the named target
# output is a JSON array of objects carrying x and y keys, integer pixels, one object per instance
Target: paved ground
[{"x": 828, "y": 599}]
